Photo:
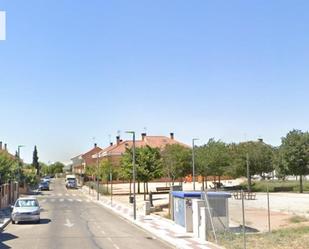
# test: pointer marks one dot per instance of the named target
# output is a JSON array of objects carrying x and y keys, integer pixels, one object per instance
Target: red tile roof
[
  {"x": 88, "y": 155},
  {"x": 152, "y": 141}
]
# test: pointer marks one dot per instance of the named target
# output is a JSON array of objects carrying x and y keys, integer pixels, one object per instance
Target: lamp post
[
  {"x": 133, "y": 174},
  {"x": 97, "y": 176},
  {"x": 193, "y": 162},
  {"x": 19, "y": 162}
]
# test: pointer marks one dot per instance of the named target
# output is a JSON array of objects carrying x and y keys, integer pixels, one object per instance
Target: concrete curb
[{"x": 5, "y": 223}]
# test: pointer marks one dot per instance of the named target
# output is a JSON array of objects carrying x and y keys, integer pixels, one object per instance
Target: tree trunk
[
  {"x": 249, "y": 183},
  {"x": 301, "y": 189},
  {"x": 203, "y": 183},
  {"x": 138, "y": 187},
  {"x": 130, "y": 188},
  {"x": 144, "y": 191}
]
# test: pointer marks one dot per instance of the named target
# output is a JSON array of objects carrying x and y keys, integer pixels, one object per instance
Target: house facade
[
  {"x": 114, "y": 152},
  {"x": 80, "y": 162}
]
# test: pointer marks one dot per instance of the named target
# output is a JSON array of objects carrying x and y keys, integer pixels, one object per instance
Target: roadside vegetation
[
  {"x": 294, "y": 237},
  {"x": 12, "y": 168},
  {"x": 215, "y": 161},
  {"x": 272, "y": 185}
]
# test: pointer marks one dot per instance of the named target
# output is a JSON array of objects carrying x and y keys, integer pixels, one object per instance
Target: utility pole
[
  {"x": 134, "y": 174},
  {"x": 193, "y": 162},
  {"x": 248, "y": 172},
  {"x": 97, "y": 175}
]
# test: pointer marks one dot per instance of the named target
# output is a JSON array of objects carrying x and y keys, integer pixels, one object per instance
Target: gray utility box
[{"x": 182, "y": 209}]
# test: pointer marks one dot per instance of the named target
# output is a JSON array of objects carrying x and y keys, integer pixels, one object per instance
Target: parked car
[
  {"x": 26, "y": 209},
  {"x": 44, "y": 185},
  {"x": 46, "y": 179}
]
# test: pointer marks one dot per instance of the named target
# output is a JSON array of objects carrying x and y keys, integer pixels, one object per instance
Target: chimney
[
  {"x": 0, "y": 145},
  {"x": 172, "y": 135},
  {"x": 118, "y": 139},
  {"x": 95, "y": 145},
  {"x": 5, "y": 147},
  {"x": 111, "y": 144},
  {"x": 143, "y": 136}
]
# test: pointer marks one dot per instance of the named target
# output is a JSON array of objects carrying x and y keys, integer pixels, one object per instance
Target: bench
[
  {"x": 159, "y": 190},
  {"x": 283, "y": 189},
  {"x": 247, "y": 195}
]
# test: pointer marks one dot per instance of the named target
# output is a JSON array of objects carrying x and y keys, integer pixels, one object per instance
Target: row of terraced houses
[{"x": 114, "y": 151}]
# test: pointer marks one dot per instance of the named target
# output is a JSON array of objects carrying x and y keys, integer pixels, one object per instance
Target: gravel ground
[{"x": 283, "y": 206}]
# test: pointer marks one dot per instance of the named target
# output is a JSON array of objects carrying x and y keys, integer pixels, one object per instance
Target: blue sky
[{"x": 74, "y": 70}]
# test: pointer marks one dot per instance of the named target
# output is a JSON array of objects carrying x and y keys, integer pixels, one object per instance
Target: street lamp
[
  {"x": 18, "y": 150},
  {"x": 19, "y": 162},
  {"x": 193, "y": 162},
  {"x": 134, "y": 173},
  {"x": 97, "y": 176}
]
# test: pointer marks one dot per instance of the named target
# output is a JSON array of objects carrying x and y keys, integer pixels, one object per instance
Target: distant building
[
  {"x": 80, "y": 162},
  {"x": 4, "y": 149},
  {"x": 114, "y": 152}
]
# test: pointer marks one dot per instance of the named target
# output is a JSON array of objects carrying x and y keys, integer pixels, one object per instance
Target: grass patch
[
  {"x": 261, "y": 186},
  {"x": 283, "y": 238},
  {"x": 103, "y": 189},
  {"x": 298, "y": 219}
]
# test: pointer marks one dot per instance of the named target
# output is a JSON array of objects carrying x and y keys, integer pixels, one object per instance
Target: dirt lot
[{"x": 283, "y": 206}]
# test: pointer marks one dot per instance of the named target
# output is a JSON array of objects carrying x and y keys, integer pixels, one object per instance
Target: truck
[{"x": 70, "y": 181}]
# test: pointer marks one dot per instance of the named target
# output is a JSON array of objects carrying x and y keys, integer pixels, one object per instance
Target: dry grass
[{"x": 296, "y": 237}]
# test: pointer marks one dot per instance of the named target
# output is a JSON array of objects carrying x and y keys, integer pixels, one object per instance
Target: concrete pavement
[
  {"x": 69, "y": 219},
  {"x": 163, "y": 228},
  {"x": 5, "y": 217}
]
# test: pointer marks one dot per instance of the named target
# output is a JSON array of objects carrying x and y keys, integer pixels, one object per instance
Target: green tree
[
  {"x": 176, "y": 161},
  {"x": 295, "y": 152},
  {"x": 257, "y": 156},
  {"x": 212, "y": 158},
  {"x": 56, "y": 167},
  {"x": 45, "y": 169},
  {"x": 280, "y": 165},
  {"x": 148, "y": 164},
  {"x": 8, "y": 167},
  {"x": 35, "y": 161}
]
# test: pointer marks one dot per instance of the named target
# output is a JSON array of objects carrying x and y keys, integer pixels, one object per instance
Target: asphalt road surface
[{"x": 70, "y": 220}]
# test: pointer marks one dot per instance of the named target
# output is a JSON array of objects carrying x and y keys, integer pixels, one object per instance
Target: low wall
[{"x": 8, "y": 194}]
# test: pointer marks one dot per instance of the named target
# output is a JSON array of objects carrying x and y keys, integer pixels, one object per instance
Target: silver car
[{"x": 26, "y": 209}]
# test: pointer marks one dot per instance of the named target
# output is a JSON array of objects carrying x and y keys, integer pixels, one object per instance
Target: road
[{"x": 70, "y": 220}]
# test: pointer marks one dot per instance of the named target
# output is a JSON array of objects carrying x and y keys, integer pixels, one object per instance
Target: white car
[{"x": 26, "y": 209}]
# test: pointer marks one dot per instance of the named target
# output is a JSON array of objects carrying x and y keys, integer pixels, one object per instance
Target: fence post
[{"x": 243, "y": 218}]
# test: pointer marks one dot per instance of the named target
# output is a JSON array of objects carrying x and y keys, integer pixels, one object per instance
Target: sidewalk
[
  {"x": 162, "y": 228},
  {"x": 5, "y": 217}
]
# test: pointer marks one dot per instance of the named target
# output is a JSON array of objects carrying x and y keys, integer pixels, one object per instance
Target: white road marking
[
  {"x": 117, "y": 247},
  {"x": 68, "y": 223},
  {"x": 114, "y": 245},
  {"x": 70, "y": 200},
  {"x": 67, "y": 195},
  {"x": 60, "y": 194},
  {"x": 52, "y": 200},
  {"x": 61, "y": 200},
  {"x": 74, "y": 194},
  {"x": 79, "y": 200},
  {"x": 103, "y": 232}
]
